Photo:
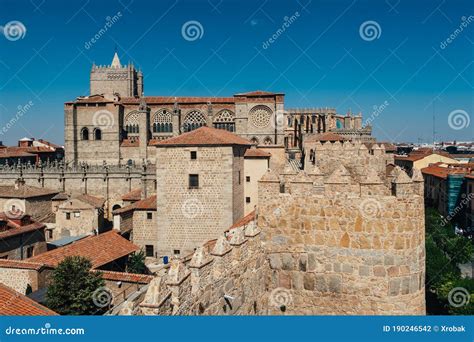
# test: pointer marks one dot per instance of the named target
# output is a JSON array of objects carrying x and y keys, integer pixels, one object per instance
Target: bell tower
[{"x": 116, "y": 78}]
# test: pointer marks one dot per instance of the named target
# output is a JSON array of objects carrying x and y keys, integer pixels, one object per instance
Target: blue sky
[{"x": 320, "y": 60}]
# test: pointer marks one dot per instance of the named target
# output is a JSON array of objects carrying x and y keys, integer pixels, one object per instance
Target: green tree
[
  {"x": 75, "y": 290},
  {"x": 445, "y": 251},
  {"x": 136, "y": 263}
]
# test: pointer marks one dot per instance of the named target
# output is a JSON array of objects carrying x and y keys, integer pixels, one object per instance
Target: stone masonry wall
[
  {"x": 223, "y": 277},
  {"x": 342, "y": 253}
]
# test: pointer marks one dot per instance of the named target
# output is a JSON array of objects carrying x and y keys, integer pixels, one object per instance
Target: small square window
[
  {"x": 193, "y": 155},
  {"x": 77, "y": 214},
  {"x": 247, "y": 179},
  {"x": 149, "y": 251},
  {"x": 68, "y": 216},
  {"x": 149, "y": 216},
  {"x": 247, "y": 199},
  {"x": 193, "y": 181},
  {"x": 239, "y": 177},
  {"x": 50, "y": 234},
  {"x": 177, "y": 252}
]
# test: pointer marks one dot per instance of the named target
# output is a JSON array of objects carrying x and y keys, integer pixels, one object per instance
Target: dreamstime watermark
[
  {"x": 287, "y": 22},
  {"x": 459, "y": 296},
  {"x": 21, "y": 110},
  {"x": 13, "y": 30},
  {"x": 370, "y": 30},
  {"x": 103, "y": 119},
  {"x": 192, "y": 30},
  {"x": 46, "y": 330},
  {"x": 370, "y": 208},
  {"x": 281, "y": 298},
  {"x": 102, "y": 297},
  {"x": 464, "y": 202},
  {"x": 458, "y": 119},
  {"x": 192, "y": 208},
  {"x": 14, "y": 208},
  {"x": 110, "y": 21},
  {"x": 377, "y": 110},
  {"x": 465, "y": 21}
]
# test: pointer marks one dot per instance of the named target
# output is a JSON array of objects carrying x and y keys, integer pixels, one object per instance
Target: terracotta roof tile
[
  {"x": 15, "y": 227},
  {"x": 328, "y": 136},
  {"x": 24, "y": 191},
  {"x": 100, "y": 249},
  {"x": 148, "y": 203},
  {"x": 97, "y": 202},
  {"x": 21, "y": 264},
  {"x": 13, "y": 303},
  {"x": 134, "y": 195},
  {"x": 171, "y": 100},
  {"x": 244, "y": 220},
  {"x": 258, "y": 93},
  {"x": 205, "y": 136},
  {"x": 256, "y": 153},
  {"x": 126, "y": 277},
  {"x": 443, "y": 172}
]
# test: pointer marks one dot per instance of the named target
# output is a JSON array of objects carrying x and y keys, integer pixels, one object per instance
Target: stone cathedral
[{"x": 117, "y": 124}]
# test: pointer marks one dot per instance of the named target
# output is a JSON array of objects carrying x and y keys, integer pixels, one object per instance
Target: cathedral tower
[{"x": 116, "y": 78}]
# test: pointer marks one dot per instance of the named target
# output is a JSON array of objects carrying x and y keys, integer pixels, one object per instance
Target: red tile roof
[
  {"x": 130, "y": 143},
  {"x": 24, "y": 191},
  {"x": 134, "y": 195},
  {"x": 244, "y": 220},
  {"x": 418, "y": 155},
  {"x": 171, "y": 100},
  {"x": 100, "y": 249},
  {"x": 126, "y": 277},
  {"x": 205, "y": 136},
  {"x": 256, "y": 153},
  {"x": 13, "y": 303},
  {"x": 148, "y": 203},
  {"x": 21, "y": 264},
  {"x": 16, "y": 226},
  {"x": 97, "y": 202},
  {"x": 328, "y": 136},
  {"x": 443, "y": 172},
  {"x": 259, "y": 93}
]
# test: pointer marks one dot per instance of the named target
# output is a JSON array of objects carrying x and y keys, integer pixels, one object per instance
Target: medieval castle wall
[
  {"x": 344, "y": 252},
  {"x": 321, "y": 244},
  {"x": 107, "y": 181}
]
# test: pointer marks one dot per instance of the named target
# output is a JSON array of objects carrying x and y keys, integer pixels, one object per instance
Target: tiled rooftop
[
  {"x": 148, "y": 203},
  {"x": 100, "y": 249},
  {"x": 24, "y": 191},
  {"x": 205, "y": 136},
  {"x": 13, "y": 303}
]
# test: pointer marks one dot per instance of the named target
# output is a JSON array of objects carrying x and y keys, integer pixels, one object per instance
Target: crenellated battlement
[{"x": 224, "y": 276}]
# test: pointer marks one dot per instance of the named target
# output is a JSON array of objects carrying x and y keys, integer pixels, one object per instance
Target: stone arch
[
  {"x": 193, "y": 119},
  {"x": 254, "y": 140},
  {"x": 132, "y": 123},
  {"x": 162, "y": 121},
  {"x": 225, "y": 119},
  {"x": 260, "y": 116},
  {"x": 85, "y": 133},
  {"x": 267, "y": 141}
]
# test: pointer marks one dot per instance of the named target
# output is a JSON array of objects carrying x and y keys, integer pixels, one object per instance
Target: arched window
[
  {"x": 131, "y": 123},
  {"x": 162, "y": 122},
  {"x": 85, "y": 133},
  {"x": 267, "y": 141},
  {"x": 225, "y": 119},
  {"x": 194, "y": 119},
  {"x": 97, "y": 134},
  {"x": 254, "y": 141}
]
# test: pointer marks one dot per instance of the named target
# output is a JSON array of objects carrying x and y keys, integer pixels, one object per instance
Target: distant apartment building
[{"x": 449, "y": 189}]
